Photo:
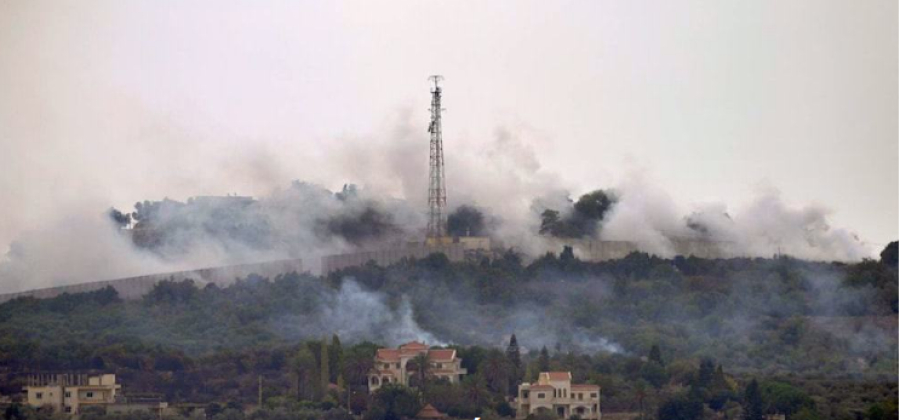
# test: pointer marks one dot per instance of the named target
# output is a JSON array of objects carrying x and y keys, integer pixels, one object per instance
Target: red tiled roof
[
  {"x": 558, "y": 376},
  {"x": 442, "y": 354},
  {"x": 388, "y": 354},
  {"x": 429, "y": 412},
  {"x": 414, "y": 345}
]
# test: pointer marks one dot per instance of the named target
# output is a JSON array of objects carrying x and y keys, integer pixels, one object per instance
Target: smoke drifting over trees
[
  {"x": 503, "y": 181},
  {"x": 582, "y": 220}
]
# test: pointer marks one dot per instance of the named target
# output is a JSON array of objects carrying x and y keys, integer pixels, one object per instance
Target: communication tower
[{"x": 437, "y": 192}]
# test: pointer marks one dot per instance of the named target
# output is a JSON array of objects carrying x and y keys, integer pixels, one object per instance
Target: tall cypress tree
[
  {"x": 512, "y": 353},
  {"x": 324, "y": 375},
  {"x": 335, "y": 358},
  {"x": 655, "y": 355},
  {"x": 515, "y": 360},
  {"x": 753, "y": 405},
  {"x": 544, "y": 360}
]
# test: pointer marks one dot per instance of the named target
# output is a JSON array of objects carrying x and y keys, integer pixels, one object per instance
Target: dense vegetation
[{"x": 681, "y": 338}]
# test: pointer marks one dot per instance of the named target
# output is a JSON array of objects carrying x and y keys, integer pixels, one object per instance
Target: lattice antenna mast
[{"x": 437, "y": 192}]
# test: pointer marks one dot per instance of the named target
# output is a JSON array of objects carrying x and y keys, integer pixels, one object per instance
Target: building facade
[
  {"x": 71, "y": 393},
  {"x": 555, "y": 393},
  {"x": 392, "y": 366}
]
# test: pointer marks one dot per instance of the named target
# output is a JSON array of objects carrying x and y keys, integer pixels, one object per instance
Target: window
[
  {"x": 68, "y": 409},
  {"x": 68, "y": 394},
  {"x": 440, "y": 365},
  {"x": 579, "y": 410},
  {"x": 398, "y": 365},
  {"x": 38, "y": 395},
  {"x": 593, "y": 395},
  {"x": 524, "y": 394},
  {"x": 541, "y": 395},
  {"x": 374, "y": 380},
  {"x": 387, "y": 365},
  {"x": 89, "y": 394}
]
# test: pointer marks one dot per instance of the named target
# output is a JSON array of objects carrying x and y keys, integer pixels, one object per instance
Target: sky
[{"x": 105, "y": 103}]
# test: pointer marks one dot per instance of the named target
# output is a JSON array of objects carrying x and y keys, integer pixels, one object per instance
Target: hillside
[{"x": 768, "y": 318}]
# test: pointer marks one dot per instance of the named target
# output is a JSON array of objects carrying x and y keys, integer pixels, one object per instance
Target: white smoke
[
  {"x": 767, "y": 225},
  {"x": 360, "y": 315}
]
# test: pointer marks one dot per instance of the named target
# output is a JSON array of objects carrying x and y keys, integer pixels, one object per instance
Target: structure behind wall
[
  {"x": 597, "y": 250},
  {"x": 455, "y": 248}
]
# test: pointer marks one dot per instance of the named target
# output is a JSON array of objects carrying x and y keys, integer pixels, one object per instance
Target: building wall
[
  {"x": 135, "y": 287},
  {"x": 71, "y": 393},
  {"x": 395, "y": 370},
  {"x": 559, "y": 397}
]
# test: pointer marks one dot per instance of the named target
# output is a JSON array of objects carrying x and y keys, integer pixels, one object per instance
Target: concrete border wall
[
  {"x": 387, "y": 256},
  {"x": 135, "y": 287}
]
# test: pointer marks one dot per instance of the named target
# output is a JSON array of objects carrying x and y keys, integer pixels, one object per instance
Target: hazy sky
[{"x": 109, "y": 102}]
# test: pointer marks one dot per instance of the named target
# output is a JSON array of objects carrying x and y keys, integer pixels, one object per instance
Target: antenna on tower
[{"x": 437, "y": 192}]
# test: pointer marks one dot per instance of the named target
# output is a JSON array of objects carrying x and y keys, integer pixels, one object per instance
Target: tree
[
  {"x": 358, "y": 363},
  {"x": 706, "y": 372},
  {"x": 121, "y": 220},
  {"x": 335, "y": 358},
  {"x": 752, "y": 404},
  {"x": 324, "y": 376},
  {"x": 654, "y": 374},
  {"x": 419, "y": 366},
  {"x": 512, "y": 352},
  {"x": 594, "y": 205},
  {"x": 515, "y": 360},
  {"x": 567, "y": 256},
  {"x": 681, "y": 407},
  {"x": 393, "y": 402},
  {"x": 549, "y": 222},
  {"x": 655, "y": 355},
  {"x": 889, "y": 254},
  {"x": 784, "y": 398},
  {"x": 496, "y": 371},
  {"x": 303, "y": 366},
  {"x": 544, "y": 360},
  {"x": 465, "y": 221}
]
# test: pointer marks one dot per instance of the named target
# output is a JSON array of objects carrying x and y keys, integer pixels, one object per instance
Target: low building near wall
[
  {"x": 392, "y": 366},
  {"x": 605, "y": 250},
  {"x": 554, "y": 393},
  {"x": 136, "y": 403}
]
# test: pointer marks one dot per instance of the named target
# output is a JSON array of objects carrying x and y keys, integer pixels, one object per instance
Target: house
[
  {"x": 392, "y": 366},
  {"x": 71, "y": 393},
  {"x": 555, "y": 393}
]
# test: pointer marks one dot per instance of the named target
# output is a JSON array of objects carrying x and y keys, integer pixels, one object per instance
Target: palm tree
[
  {"x": 419, "y": 367},
  {"x": 496, "y": 370},
  {"x": 358, "y": 369}
]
